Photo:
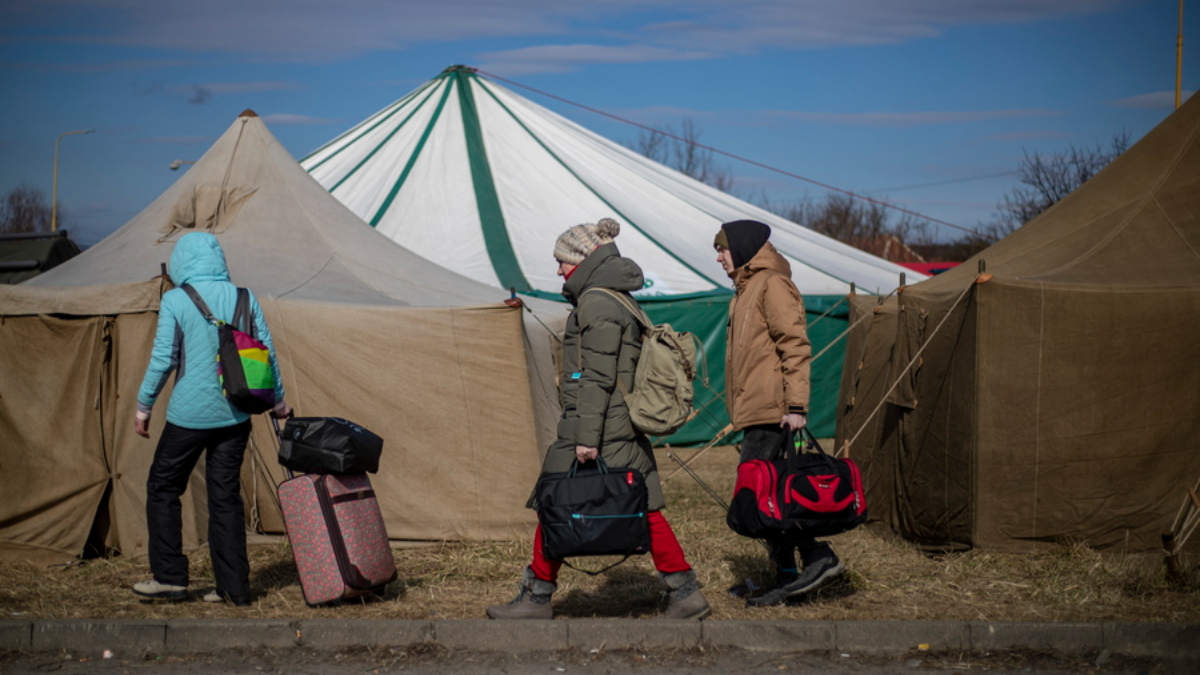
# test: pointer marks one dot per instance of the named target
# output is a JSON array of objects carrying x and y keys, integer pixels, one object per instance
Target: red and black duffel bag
[{"x": 811, "y": 491}]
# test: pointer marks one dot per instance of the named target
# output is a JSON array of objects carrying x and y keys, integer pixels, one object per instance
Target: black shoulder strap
[
  {"x": 200, "y": 305},
  {"x": 242, "y": 319}
]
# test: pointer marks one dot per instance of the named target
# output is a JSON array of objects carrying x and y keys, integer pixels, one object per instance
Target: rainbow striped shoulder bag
[{"x": 243, "y": 362}]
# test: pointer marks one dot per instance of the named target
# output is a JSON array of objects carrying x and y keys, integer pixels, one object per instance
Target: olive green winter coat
[{"x": 601, "y": 344}]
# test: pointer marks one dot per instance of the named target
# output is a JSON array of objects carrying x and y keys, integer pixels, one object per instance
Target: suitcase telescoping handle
[{"x": 279, "y": 435}]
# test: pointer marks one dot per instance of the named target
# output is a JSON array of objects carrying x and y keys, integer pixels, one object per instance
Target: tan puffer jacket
[{"x": 767, "y": 354}]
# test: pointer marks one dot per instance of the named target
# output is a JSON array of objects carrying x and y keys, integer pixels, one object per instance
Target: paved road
[{"x": 433, "y": 660}]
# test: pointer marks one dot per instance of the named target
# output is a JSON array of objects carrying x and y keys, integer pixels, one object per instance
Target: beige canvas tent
[
  {"x": 432, "y": 361},
  {"x": 1056, "y": 398}
]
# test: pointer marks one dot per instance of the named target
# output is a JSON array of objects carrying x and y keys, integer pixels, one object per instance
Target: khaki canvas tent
[
  {"x": 1057, "y": 397},
  {"x": 432, "y": 361}
]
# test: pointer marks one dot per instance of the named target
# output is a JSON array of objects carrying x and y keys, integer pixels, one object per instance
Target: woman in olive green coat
[{"x": 601, "y": 346}]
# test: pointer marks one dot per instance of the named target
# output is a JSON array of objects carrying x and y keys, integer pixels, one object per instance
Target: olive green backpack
[{"x": 661, "y": 399}]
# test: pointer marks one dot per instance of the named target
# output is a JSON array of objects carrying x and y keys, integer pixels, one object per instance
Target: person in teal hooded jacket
[{"x": 200, "y": 420}]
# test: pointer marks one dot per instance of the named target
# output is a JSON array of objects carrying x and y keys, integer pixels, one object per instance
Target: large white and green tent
[{"x": 480, "y": 180}]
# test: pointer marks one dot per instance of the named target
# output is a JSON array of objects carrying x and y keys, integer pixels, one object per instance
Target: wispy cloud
[
  {"x": 199, "y": 94},
  {"x": 107, "y": 67},
  {"x": 325, "y": 32},
  {"x": 663, "y": 114},
  {"x": 566, "y": 58},
  {"x": 907, "y": 119},
  {"x": 287, "y": 118},
  {"x": 1027, "y": 136},
  {"x": 176, "y": 140},
  {"x": 1158, "y": 100}
]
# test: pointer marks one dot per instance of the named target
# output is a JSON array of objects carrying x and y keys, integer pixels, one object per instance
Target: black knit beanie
[{"x": 745, "y": 238}]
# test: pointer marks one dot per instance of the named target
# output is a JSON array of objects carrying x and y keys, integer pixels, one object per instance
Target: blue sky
[{"x": 874, "y": 96}]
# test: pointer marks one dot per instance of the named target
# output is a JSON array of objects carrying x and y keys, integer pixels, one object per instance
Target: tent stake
[{"x": 1172, "y": 560}]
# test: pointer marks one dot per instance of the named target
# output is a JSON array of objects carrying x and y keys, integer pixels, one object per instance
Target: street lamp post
[{"x": 54, "y": 189}]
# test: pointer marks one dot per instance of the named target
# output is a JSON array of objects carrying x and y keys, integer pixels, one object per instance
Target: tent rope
[
  {"x": 1183, "y": 508},
  {"x": 853, "y": 325},
  {"x": 835, "y": 306},
  {"x": 760, "y": 165},
  {"x": 726, "y": 431},
  {"x": 883, "y": 399}
]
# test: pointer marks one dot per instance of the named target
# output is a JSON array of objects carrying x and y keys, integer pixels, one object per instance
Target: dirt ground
[{"x": 887, "y": 579}]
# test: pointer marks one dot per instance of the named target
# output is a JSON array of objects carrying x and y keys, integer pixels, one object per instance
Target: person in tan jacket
[{"x": 767, "y": 384}]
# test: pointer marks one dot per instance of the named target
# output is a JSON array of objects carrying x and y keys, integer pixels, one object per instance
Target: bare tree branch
[
  {"x": 24, "y": 210},
  {"x": 1047, "y": 179},
  {"x": 680, "y": 150}
]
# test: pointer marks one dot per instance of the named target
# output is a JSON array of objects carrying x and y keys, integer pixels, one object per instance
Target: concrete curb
[{"x": 182, "y": 636}]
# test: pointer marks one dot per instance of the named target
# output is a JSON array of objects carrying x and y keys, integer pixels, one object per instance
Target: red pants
[{"x": 664, "y": 548}]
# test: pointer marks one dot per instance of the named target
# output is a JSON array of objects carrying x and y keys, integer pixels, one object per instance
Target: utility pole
[{"x": 1179, "y": 58}]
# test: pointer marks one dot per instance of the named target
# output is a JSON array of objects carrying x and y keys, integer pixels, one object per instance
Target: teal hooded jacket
[{"x": 186, "y": 344}]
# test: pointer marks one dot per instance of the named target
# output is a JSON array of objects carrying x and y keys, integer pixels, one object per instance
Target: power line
[
  {"x": 738, "y": 157},
  {"x": 944, "y": 182}
]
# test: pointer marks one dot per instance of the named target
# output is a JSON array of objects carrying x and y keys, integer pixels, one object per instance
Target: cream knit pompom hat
[{"x": 576, "y": 243}]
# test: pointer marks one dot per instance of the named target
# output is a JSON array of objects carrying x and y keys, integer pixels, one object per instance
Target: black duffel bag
[
  {"x": 593, "y": 511},
  {"x": 328, "y": 445}
]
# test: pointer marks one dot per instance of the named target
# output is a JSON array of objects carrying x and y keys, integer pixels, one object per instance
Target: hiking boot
[
  {"x": 813, "y": 576},
  {"x": 157, "y": 591},
  {"x": 532, "y": 601},
  {"x": 686, "y": 600}
]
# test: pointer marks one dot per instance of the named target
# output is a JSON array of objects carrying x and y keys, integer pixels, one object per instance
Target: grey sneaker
[
  {"x": 213, "y": 596},
  {"x": 812, "y": 577},
  {"x": 153, "y": 589},
  {"x": 532, "y": 601}
]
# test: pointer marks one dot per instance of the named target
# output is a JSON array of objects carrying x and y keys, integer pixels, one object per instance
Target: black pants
[
  {"x": 178, "y": 452},
  {"x": 765, "y": 441}
]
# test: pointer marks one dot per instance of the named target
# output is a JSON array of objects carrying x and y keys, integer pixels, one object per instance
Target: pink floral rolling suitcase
[{"x": 337, "y": 535}]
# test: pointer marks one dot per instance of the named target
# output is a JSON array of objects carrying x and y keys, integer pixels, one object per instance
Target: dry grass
[{"x": 888, "y": 579}]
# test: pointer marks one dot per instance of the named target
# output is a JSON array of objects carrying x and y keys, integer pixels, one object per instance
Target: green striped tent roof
[{"x": 468, "y": 174}]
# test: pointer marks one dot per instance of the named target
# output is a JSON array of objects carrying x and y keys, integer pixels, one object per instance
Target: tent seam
[
  {"x": 1150, "y": 197},
  {"x": 487, "y": 201},
  {"x": 395, "y": 107},
  {"x": 378, "y": 147},
  {"x": 412, "y": 160},
  {"x": 1037, "y": 413},
  {"x": 535, "y": 137},
  {"x": 1175, "y": 229}
]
